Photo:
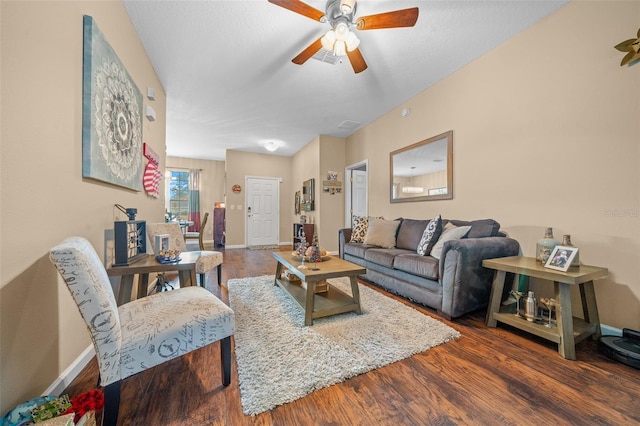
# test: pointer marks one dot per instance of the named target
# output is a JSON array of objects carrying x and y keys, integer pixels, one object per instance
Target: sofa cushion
[
  {"x": 383, "y": 257},
  {"x": 357, "y": 249},
  {"x": 480, "y": 228},
  {"x": 415, "y": 264},
  {"x": 381, "y": 232},
  {"x": 410, "y": 232},
  {"x": 450, "y": 232},
  {"x": 430, "y": 236}
]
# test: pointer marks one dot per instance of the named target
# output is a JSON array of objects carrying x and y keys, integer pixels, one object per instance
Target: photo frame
[
  {"x": 111, "y": 114},
  {"x": 561, "y": 258},
  {"x": 296, "y": 203}
]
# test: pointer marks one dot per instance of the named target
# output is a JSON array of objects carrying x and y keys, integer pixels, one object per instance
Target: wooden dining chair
[
  {"x": 198, "y": 235},
  {"x": 207, "y": 260},
  {"x": 144, "y": 333}
]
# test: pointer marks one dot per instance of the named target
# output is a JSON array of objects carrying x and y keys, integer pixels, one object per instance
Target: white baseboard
[{"x": 67, "y": 376}]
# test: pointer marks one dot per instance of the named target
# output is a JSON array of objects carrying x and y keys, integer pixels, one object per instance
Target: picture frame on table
[
  {"x": 161, "y": 243},
  {"x": 561, "y": 258}
]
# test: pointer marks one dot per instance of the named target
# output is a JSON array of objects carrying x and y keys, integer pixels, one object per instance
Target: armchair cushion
[{"x": 166, "y": 325}]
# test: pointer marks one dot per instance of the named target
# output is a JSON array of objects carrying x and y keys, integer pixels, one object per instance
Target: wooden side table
[
  {"x": 186, "y": 272},
  {"x": 569, "y": 329}
]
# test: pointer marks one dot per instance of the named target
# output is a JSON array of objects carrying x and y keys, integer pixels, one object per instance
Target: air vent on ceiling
[
  {"x": 348, "y": 124},
  {"x": 324, "y": 55}
]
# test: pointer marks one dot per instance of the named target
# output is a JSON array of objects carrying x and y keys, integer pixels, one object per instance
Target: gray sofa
[{"x": 454, "y": 285}]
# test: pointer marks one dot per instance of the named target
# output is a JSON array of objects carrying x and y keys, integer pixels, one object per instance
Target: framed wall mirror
[
  {"x": 423, "y": 171},
  {"x": 308, "y": 195}
]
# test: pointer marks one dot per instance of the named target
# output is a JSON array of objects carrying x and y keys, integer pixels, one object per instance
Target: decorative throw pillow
[
  {"x": 430, "y": 236},
  {"x": 450, "y": 232},
  {"x": 360, "y": 224},
  {"x": 382, "y": 233}
]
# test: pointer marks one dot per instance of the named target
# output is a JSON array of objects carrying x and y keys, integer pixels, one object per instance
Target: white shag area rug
[{"x": 280, "y": 359}]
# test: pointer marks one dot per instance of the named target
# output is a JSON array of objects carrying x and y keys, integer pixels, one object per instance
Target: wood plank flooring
[{"x": 490, "y": 376}]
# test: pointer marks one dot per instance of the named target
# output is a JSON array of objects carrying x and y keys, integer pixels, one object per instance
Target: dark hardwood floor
[{"x": 490, "y": 376}]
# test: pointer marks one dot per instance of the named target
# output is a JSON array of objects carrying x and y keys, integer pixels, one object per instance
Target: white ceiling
[{"x": 230, "y": 83}]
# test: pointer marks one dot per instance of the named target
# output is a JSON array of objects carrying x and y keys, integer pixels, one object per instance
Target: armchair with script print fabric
[{"x": 143, "y": 333}]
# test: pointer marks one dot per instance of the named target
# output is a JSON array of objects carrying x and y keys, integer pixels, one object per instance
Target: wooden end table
[
  {"x": 569, "y": 329},
  {"x": 319, "y": 305},
  {"x": 149, "y": 264}
]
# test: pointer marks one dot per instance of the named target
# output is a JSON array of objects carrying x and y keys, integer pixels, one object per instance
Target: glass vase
[
  {"x": 566, "y": 241},
  {"x": 545, "y": 246}
]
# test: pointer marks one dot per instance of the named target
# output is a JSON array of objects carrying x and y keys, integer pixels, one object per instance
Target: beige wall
[
  {"x": 44, "y": 197},
  {"x": 305, "y": 165},
  {"x": 242, "y": 164},
  {"x": 545, "y": 134},
  {"x": 211, "y": 183},
  {"x": 331, "y": 206}
]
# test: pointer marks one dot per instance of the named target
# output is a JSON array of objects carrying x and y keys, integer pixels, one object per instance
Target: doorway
[
  {"x": 356, "y": 190},
  {"x": 262, "y": 214}
]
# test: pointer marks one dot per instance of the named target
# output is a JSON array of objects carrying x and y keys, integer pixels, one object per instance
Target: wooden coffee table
[{"x": 319, "y": 305}]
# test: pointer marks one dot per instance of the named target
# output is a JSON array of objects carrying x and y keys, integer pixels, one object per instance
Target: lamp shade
[
  {"x": 328, "y": 40},
  {"x": 352, "y": 41}
]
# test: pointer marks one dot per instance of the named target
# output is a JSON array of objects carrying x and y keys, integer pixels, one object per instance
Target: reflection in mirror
[
  {"x": 308, "y": 195},
  {"x": 423, "y": 171}
]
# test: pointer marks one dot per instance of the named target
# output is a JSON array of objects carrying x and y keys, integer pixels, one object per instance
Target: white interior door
[
  {"x": 356, "y": 203},
  {"x": 263, "y": 199},
  {"x": 359, "y": 193}
]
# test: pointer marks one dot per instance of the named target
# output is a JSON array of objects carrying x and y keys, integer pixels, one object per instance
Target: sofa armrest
[
  {"x": 466, "y": 284},
  {"x": 344, "y": 236}
]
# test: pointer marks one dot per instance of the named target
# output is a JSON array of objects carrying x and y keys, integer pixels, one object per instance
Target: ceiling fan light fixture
[
  {"x": 352, "y": 41},
  {"x": 340, "y": 48},
  {"x": 346, "y": 6},
  {"x": 328, "y": 40},
  {"x": 342, "y": 31}
]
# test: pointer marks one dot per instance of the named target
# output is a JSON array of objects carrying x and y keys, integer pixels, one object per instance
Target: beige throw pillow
[
  {"x": 450, "y": 232},
  {"x": 382, "y": 233}
]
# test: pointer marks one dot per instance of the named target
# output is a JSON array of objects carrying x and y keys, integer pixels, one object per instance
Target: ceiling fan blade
[
  {"x": 395, "y": 19},
  {"x": 357, "y": 61},
  {"x": 308, "y": 52},
  {"x": 299, "y": 7}
]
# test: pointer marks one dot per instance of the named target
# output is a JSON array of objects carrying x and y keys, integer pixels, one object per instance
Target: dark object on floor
[
  {"x": 625, "y": 349},
  {"x": 163, "y": 284}
]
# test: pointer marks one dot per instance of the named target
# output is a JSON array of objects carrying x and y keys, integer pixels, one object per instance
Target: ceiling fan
[{"x": 340, "y": 40}]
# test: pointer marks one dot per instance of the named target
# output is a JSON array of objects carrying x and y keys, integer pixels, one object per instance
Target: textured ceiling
[{"x": 230, "y": 83}]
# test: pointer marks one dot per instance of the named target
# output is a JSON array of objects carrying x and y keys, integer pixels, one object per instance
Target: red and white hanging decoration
[{"x": 152, "y": 174}]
